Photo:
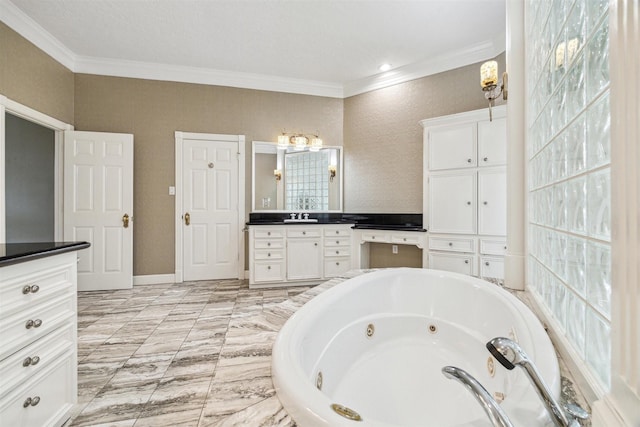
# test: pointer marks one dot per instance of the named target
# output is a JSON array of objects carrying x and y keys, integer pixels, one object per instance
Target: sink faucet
[
  {"x": 300, "y": 215},
  {"x": 495, "y": 413},
  {"x": 510, "y": 355}
]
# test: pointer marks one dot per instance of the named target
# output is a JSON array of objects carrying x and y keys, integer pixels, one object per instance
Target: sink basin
[{"x": 302, "y": 220}]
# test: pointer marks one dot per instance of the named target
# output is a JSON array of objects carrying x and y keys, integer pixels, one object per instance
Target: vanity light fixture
[
  {"x": 332, "y": 172},
  {"x": 278, "y": 174},
  {"x": 491, "y": 87},
  {"x": 299, "y": 141}
]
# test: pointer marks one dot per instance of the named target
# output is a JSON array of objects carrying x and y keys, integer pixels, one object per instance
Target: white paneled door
[
  {"x": 98, "y": 206},
  {"x": 210, "y": 209}
]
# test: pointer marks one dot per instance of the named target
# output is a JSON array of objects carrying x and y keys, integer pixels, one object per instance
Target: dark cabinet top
[{"x": 13, "y": 253}]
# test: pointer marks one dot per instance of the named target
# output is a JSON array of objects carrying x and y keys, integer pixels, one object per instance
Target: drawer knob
[
  {"x": 33, "y": 323},
  {"x": 337, "y": 263},
  {"x": 315, "y": 244},
  {"x": 30, "y": 289},
  {"x": 337, "y": 242},
  {"x": 486, "y": 263},
  {"x": 505, "y": 248},
  {"x": 469, "y": 203},
  {"x": 373, "y": 237},
  {"x": 486, "y": 159},
  {"x": 30, "y": 361},
  {"x": 268, "y": 233},
  {"x": 268, "y": 243},
  {"x": 304, "y": 233},
  {"x": 450, "y": 243},
  {"x": 269, "y": 254},
  {"x": 485, "y": 203},
  {"x": 337, "y": 252},
  {"x": 31, "y": 402},
  {"x": 337, "y": 231},
  {"x": 404, "y": 239},
  {"x": 268, "y": 267},
  {"x": 469, "y": 160},
  {"x": 466, "y": 261}
]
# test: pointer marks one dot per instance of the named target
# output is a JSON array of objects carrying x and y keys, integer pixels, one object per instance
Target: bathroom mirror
[{"x": 296, "y": 180}]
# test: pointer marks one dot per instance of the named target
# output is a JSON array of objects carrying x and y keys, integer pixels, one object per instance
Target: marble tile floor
[{"x": 188, "y": 354}]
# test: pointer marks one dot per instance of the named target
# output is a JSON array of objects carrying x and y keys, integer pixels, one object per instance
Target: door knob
[
  {"x": 187, "y": 219},
  {"x": 125, "y": 220}
]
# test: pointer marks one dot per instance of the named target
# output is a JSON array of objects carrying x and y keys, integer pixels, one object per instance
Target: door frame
[
  {"x": 20, "y": 110},
  {"x": 179, "y": 207}
]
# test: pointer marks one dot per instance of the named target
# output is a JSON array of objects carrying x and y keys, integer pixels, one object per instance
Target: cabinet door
[
  {"x": 304, "y": 259},
  {"x": 463, "y": 264},
  {"x": 452, "y": 147},
  {"x": 492, "y": 202},
  {"x": 452, "y": 203},
  {"x": 492, "y": 142}
]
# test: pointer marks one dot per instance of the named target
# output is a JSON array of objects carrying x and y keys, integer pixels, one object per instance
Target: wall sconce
[
  {"x": 278, "y": 174},
  {"x": 299, "y": 141},
  {"x": 490, "y": 84},
  {"x": 332, "y": 172}
]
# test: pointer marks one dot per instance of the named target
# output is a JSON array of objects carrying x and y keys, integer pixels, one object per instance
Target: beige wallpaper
[
  {"x": 31, "y": 77},
  {"x": 154, "y": 110},
  {"x": 383, "y": 139}
]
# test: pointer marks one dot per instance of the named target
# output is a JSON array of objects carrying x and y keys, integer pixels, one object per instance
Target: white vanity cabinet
[
  {"x": 304, "y": 253},
  {"x": 465, "y": 185},
  {"x": 285, "y": 255},
  {"x": 38, "y": 355}
]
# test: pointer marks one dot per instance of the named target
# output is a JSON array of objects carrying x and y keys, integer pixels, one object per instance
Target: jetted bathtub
[{"x": 369, "y": 352}]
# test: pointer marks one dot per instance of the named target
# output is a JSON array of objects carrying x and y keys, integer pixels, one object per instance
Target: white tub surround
[
  {"x": 465, "y": 189},
  {"x": 376, "y": 344}
]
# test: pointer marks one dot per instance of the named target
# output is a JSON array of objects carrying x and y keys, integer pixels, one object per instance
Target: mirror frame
[{"x": 275, "y": 145}]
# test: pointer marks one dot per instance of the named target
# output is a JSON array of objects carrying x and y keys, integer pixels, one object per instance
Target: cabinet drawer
[
  {"x": 14, "y": 333},
  {"x": 336, "y": 241},
  {"x": 337, "y": 266},
  {"x": 37, "y": 356},
  {"x": 493, "y": 247},
  {"x": 404, "y": 239},
  {"x": 337, "y": 252},
  {"x": 268, "y": 271},
  {"x": 492, "y": 267},
  {"x": 55, "y": 391},
  {"x": 376, "y": 237},
  {"x": 308, "y": 232},
  {"x": 463, "y": 264},
  {"x": 18, "y": 293},
  {"x": 266, "y": 234},
  {"x": 262, "y": 254},
  {"x": 268, "y": 244},
  {"x": 337, "y": 232},
  {"x": 454, "y": 244}
]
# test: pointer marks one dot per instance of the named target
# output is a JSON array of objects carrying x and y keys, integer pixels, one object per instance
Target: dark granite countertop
[
  {"x": 397, "y": 222},
  {"x": 14, "y": 253}
]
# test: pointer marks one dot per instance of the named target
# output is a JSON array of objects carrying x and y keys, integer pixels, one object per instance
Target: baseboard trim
[{"x": 154, "y": 279}]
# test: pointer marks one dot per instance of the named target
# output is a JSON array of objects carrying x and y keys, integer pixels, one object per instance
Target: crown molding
[
  {"x": 32, "y": 31},
  {"x": 460, "y": 58},
  {"x": 185, "y": 74},
  {"x": 21, "y": 23}
]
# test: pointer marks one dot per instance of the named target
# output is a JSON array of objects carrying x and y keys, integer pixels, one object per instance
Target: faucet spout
[
  {"x": 510, "y": 355},
  {"x": 495, "y": 413}
]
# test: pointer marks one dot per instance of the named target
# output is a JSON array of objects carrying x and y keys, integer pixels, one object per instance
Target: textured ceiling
[{"x": 336, "y": 42}]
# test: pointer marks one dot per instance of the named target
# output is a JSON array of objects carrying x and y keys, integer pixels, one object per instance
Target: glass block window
[
  {"x": 307, "y": 180},
  {"x": 569, "y": 182}
]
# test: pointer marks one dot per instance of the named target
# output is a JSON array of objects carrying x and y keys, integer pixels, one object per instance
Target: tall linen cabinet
[{"x": 465, "y": 192}]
